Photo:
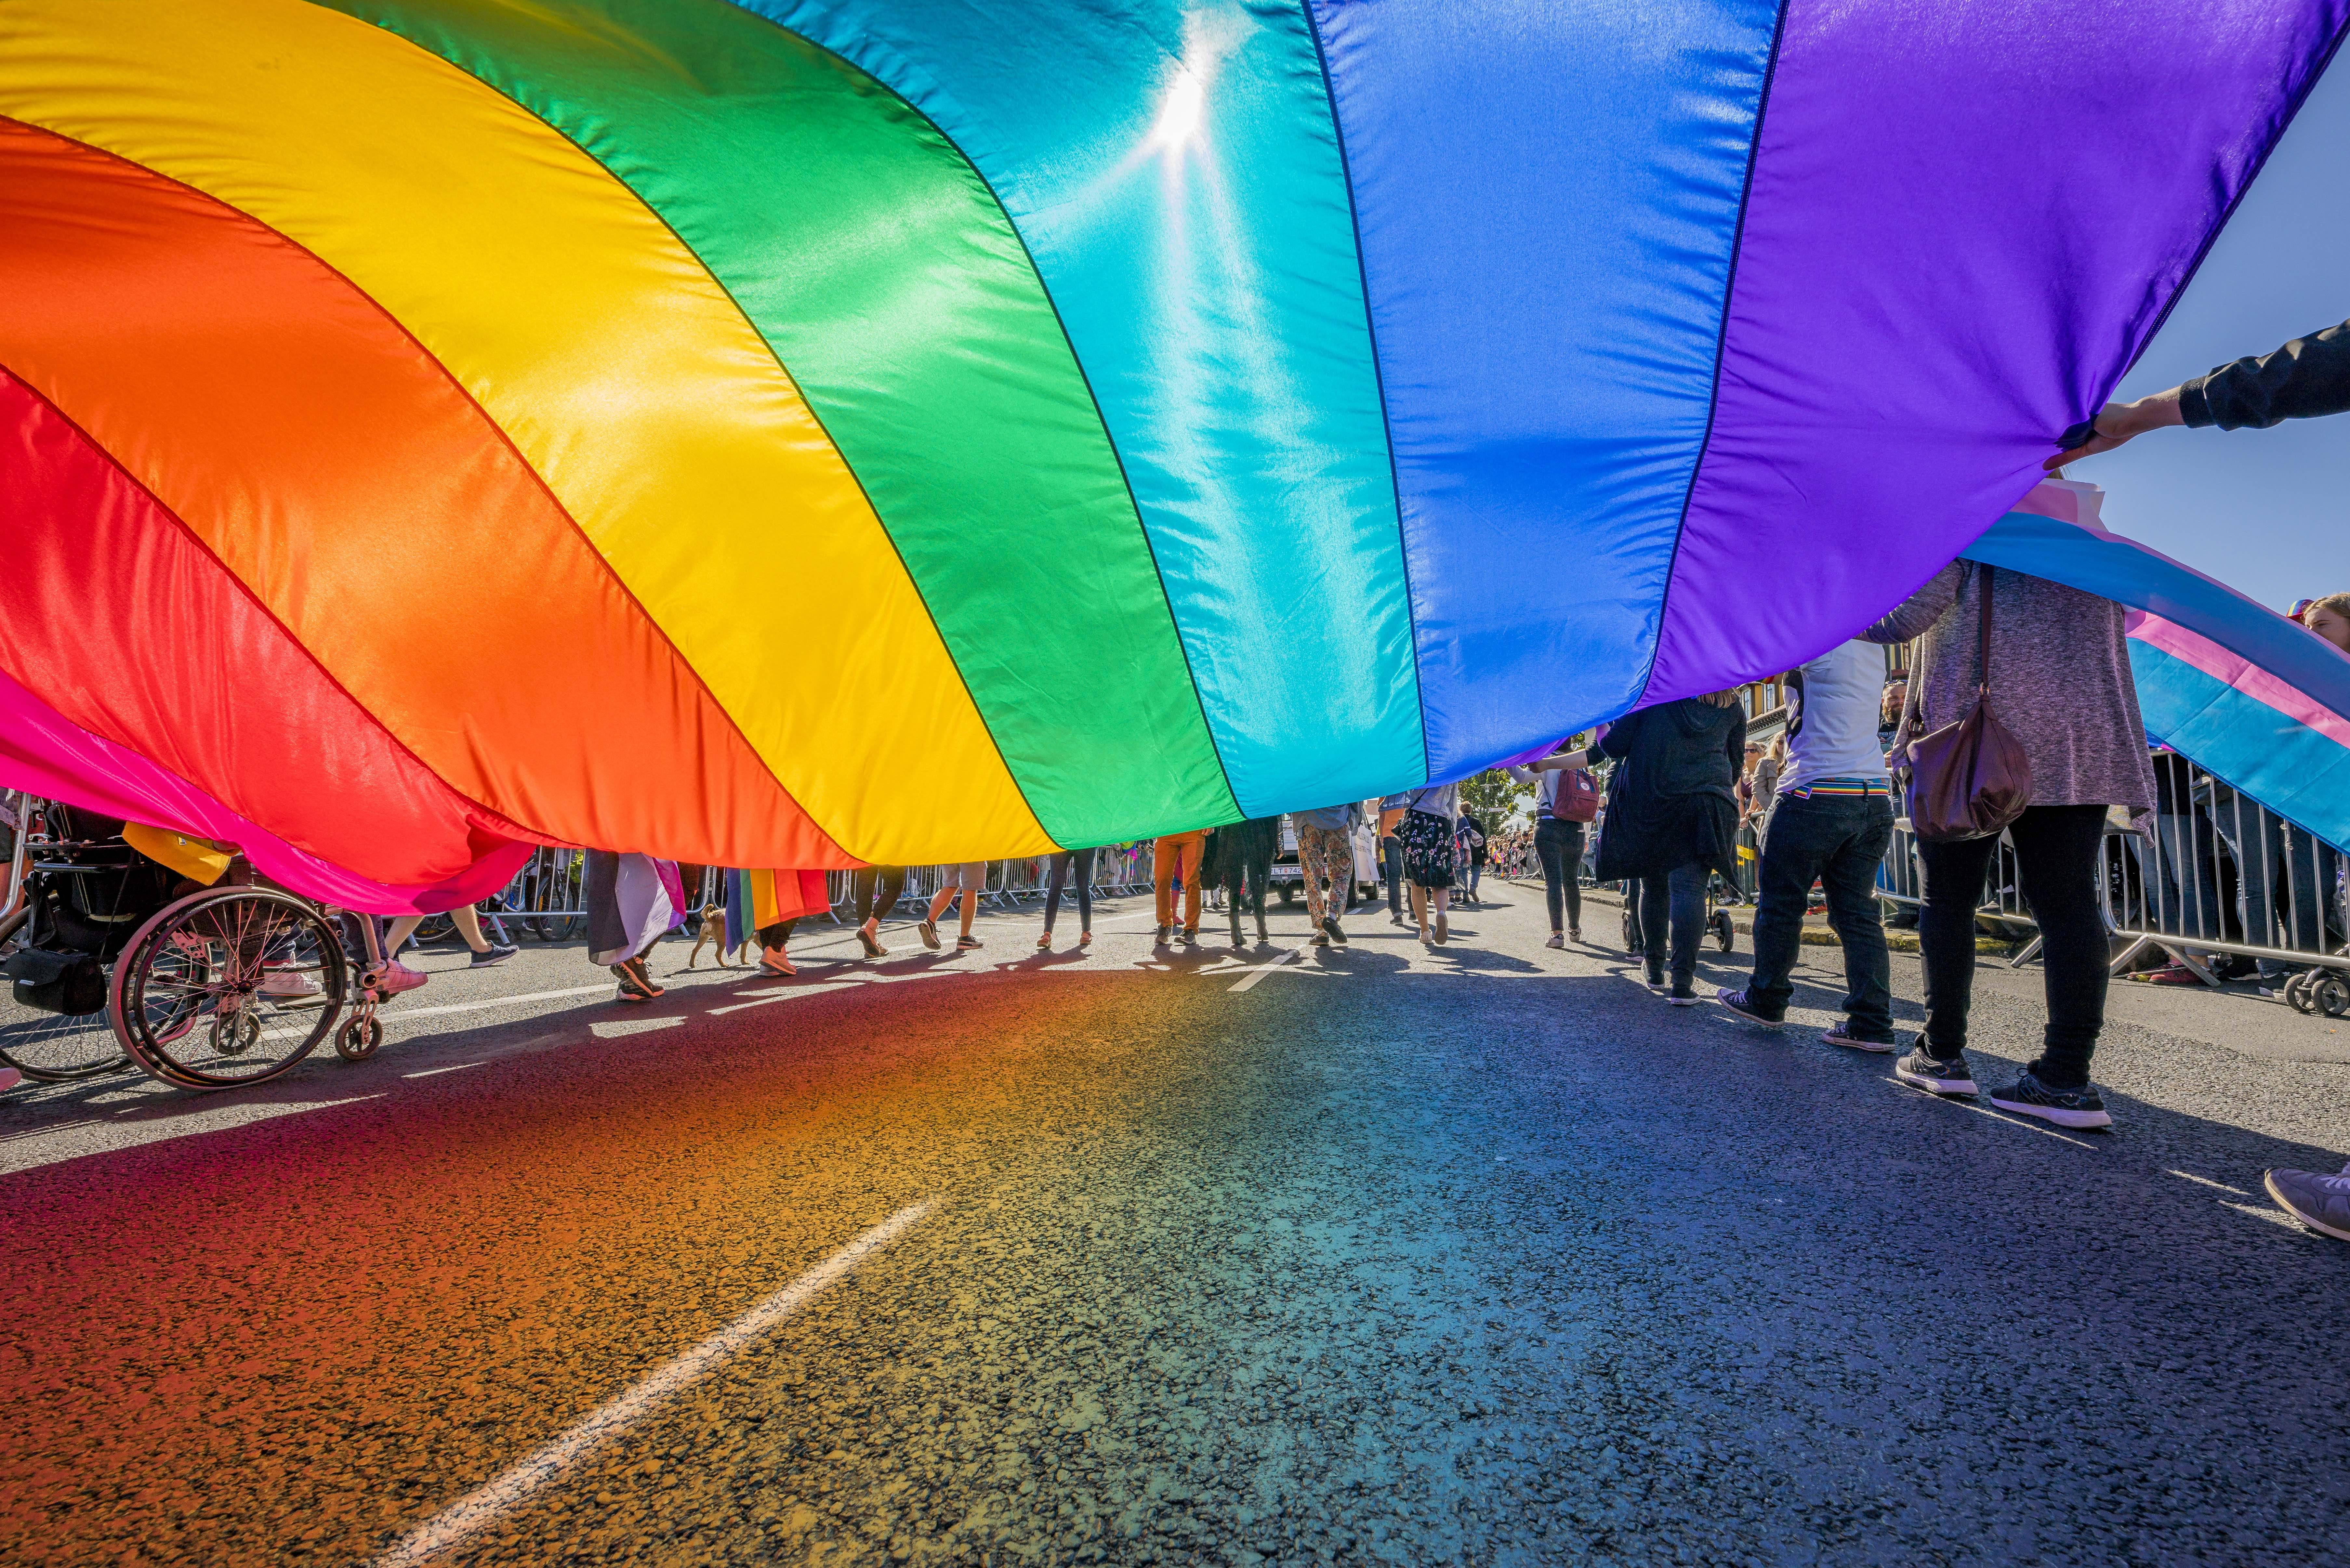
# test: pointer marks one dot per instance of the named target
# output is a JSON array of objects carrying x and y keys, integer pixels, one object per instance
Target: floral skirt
[{"x": 1427, "y": 841}]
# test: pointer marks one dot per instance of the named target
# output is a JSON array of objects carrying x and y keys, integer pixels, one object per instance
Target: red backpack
[{"x": 1578, "y": 799}]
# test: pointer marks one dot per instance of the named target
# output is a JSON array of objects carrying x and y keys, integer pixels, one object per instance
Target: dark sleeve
[
  {"x": 2307, "y": 377},
  {"x": 1737, "y": 742},
  {"x": 1618, "y": 742}
]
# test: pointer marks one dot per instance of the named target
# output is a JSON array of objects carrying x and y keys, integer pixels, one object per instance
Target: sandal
[{"x": 1084, "y": 938}]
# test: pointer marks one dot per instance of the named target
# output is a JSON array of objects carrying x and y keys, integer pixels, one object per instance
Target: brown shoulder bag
[{"x": 1967, "y": 780}]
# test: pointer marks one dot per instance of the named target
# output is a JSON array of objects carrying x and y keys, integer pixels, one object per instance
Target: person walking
[
  {"x": 1325, "y": 852},
  {"x": 966, "y": 880},
  {"x": 1424, "y": 834},
  {"x": 1064, "y": 862},
  {"x": 1238, "y": 861},
  {"x": 1566, "y": 802},
  {"x": 2308, "y": 378},
  {"x": 1175, "y": 858},
  {"x": 1673, "y": 819},
  {"x": 875, "y": 890},
  {"x": 632, "y": 901},
  {"x": 1469, "y": 851},
  {"x": 1830, "y": 823},
  {"x": 2060, "y": 683},
  {"x": 1391, "y": 808},
  {"x": 469, "y": 926}
]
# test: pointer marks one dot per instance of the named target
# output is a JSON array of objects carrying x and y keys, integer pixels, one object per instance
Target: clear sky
[{"x": 2266, "y": 512}]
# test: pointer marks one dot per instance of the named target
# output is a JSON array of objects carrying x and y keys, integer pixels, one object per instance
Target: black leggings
[
  {"x": 876, "y": 890},
  {"x": 1083, "y": 859},
  {"x": 2057, "y": 864}
]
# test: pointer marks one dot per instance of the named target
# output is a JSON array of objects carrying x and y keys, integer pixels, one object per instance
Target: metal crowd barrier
[{"x": 2219, "y": 874}]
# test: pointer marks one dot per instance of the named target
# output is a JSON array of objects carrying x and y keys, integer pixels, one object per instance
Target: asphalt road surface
[{"x": 1385, "y": 1254}]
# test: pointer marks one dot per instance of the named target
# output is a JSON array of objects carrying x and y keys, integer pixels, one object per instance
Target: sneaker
[
  {"x": 930, "y": 935},
  {"x": 1574, "y": 933},
  {"x": 399, "y": 977},
  {"x": 1739, "y": 1003},
  {"x": 636, "y": 985},
  {"x": 497, "y": 952},
  {"x": 1330, "y": 929},
  {"x": 872, "y": 944},
  {"x": 2078, "y": 1108},
  {"x": 1321, "y": 940},
  {"x": 1842, "y": 1035},
  {"x": 285, "y": 985},
  {"x": 1395, "y": 919},
  {"x": 2170, "y": 974},
  {"x": 1443, "y": 927},
  {"x": 1158, "y": 939},
  {"x": 1556, "y": 940},
  {"x": 1921, "y": 1071},
  {"x": 1656, "y": 981},
  {"x": 1683, "y": 995},
  {"x": 965, "y": 944},
  {"x": 1190, "y": 936},
  {"x": 2319, "y": 1201}
]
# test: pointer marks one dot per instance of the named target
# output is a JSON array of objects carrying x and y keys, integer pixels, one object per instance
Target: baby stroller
[{"x": 109, "y": 956}]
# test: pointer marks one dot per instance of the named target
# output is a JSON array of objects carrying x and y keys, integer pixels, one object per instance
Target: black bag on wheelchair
[{"x": 53, "y": 981}]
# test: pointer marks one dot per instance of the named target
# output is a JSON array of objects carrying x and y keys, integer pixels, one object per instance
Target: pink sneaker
[{"x": 399, "y": 977}]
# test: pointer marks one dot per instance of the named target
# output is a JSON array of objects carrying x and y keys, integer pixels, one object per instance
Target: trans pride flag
[{"x": 2250, "y": 696}]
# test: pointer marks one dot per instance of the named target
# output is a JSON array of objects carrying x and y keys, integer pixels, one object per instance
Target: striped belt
[{"x": 1845, "y": 789}]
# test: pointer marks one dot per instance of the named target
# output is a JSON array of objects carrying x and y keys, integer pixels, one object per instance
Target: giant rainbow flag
[{"x": 793, "y": 432}]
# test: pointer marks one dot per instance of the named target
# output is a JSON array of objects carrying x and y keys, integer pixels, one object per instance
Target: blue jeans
[
  {"x": 1839, "y": 841},
  {"x": 1677, "y": 897}
]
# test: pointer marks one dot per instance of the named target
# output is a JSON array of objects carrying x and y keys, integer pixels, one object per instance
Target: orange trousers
[{"x": 1177, "y": 855}]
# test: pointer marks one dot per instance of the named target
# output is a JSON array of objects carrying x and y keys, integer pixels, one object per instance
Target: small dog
[{"x": 709, "y": 926}]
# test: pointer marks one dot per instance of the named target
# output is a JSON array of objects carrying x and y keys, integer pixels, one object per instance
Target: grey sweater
[{"x": 2060, "y": 679}]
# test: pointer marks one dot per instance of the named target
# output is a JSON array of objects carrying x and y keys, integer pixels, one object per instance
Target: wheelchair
[{"x": 112, "y": 959}]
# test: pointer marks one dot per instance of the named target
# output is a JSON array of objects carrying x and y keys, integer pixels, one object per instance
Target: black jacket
[
  {"x": 1673, "y": 798},
  {"x": 2308, "y": 377}
]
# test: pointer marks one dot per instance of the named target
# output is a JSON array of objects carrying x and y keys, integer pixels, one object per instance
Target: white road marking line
[
  {"x": 1966, "y": 1105},
  {"x": 399, "y": 1015},
  {"x": 616, "y": 1028},
  {"x": 428, "y": 1072},
  {"x": 1260, "y": 971},
  {"x": 485, "y": 1506},
  {"x": 770, "y": 998},
  {"x": 2207, "y": 1181},
  {"x": 2274, "y": 1216}
]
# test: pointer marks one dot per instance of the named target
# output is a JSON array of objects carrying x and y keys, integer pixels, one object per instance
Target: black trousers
[
  {"x": 1559, "y": 845},
  {"x": 2057, "y": 867},
  {"x": 1063, "y": 860},
  {"x": 1391, "y": 864},
  {"x": 876, "y": 890}
]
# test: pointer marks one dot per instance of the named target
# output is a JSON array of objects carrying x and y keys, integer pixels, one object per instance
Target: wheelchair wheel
[
  {"x": 357, "y": 1040},
  {"x": 1725, "y": 935},
  {"x": 56, "y": 1048},
  {"x": 228, "y": 987}
]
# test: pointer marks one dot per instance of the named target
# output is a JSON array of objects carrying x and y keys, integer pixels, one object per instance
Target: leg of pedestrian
[{"x": 1850, "y": 874}]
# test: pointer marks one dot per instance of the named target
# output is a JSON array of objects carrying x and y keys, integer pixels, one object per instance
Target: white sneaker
[
  {"x": 288, "y": 985},
  {"x": 399, "y": 977},
  {"x": 1556, "y": 940}
]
